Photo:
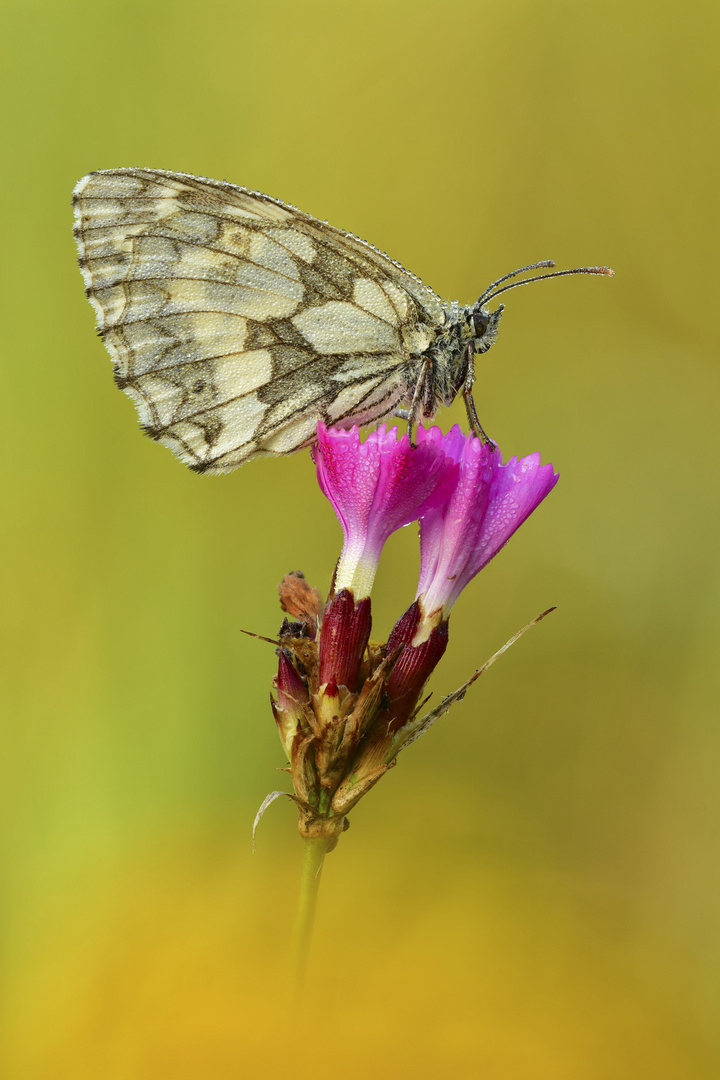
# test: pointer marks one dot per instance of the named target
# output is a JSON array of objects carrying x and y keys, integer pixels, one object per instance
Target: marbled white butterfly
[{"x": 236, "y": 322}]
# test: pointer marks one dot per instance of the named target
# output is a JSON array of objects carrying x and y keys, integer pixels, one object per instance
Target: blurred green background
[{"x": 533, "y": 892}]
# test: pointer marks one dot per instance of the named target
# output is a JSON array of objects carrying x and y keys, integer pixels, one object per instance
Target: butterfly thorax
[{"x": 449, "y": 354}]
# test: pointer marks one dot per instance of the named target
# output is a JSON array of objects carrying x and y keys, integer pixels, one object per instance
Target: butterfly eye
[{"x": 481, "y": 323}]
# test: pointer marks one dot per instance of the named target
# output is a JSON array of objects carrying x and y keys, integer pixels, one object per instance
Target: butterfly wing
[{"x": 236, "y": 322}]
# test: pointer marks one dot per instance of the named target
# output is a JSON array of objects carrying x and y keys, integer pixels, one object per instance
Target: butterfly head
[{"x": 483, "y": 325}]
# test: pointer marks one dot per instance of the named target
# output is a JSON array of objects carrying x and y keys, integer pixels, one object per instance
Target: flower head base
[{"x": 375, "y": 488}]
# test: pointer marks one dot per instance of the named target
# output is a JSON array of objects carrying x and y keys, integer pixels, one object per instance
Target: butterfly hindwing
[{"x": 235, "y": 322}]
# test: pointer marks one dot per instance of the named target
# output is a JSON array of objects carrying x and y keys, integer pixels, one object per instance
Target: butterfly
[{"x": 236, "y": 322}]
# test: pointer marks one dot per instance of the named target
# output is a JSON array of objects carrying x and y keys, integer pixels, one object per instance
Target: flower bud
[{"x": 292, "y": 699}]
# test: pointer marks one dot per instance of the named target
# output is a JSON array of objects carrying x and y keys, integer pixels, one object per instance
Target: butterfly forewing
[{"x": 235, "y": 322}]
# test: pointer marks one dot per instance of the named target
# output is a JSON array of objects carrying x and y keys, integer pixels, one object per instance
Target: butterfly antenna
[
  {"x": 533, "y": 266},
  {"x": 489, "y": 295}
]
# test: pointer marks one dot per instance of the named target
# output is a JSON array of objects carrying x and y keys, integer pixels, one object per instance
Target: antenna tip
[{"x": 606, "y": 270}]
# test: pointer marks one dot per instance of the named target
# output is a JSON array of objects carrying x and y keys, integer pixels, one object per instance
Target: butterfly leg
[
  {"x": 416, "y": 405},
  {"x": 470, "y": 409}
]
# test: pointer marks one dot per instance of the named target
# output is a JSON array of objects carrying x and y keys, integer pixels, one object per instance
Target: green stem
[{"x": 314, "y": 856}]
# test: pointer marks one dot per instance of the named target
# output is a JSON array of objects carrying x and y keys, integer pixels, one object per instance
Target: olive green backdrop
[{"x": 532, "y": 893}]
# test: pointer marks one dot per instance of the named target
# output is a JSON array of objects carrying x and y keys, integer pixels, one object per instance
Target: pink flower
[
  {"x": 460, "y": 536},
  {"x": 376, "y": 487},
  {"x": 469, "y": 504}
]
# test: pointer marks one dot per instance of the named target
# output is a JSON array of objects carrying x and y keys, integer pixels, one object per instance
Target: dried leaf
[
  {"x": 266, "y": 803},
  {"x": 300, "y": 600}
]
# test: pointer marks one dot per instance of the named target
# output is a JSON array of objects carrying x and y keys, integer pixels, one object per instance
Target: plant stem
[{"x": 314, "y": 856}]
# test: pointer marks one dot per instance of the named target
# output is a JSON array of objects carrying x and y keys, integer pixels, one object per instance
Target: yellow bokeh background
[{"x": 533, "y": 892}]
